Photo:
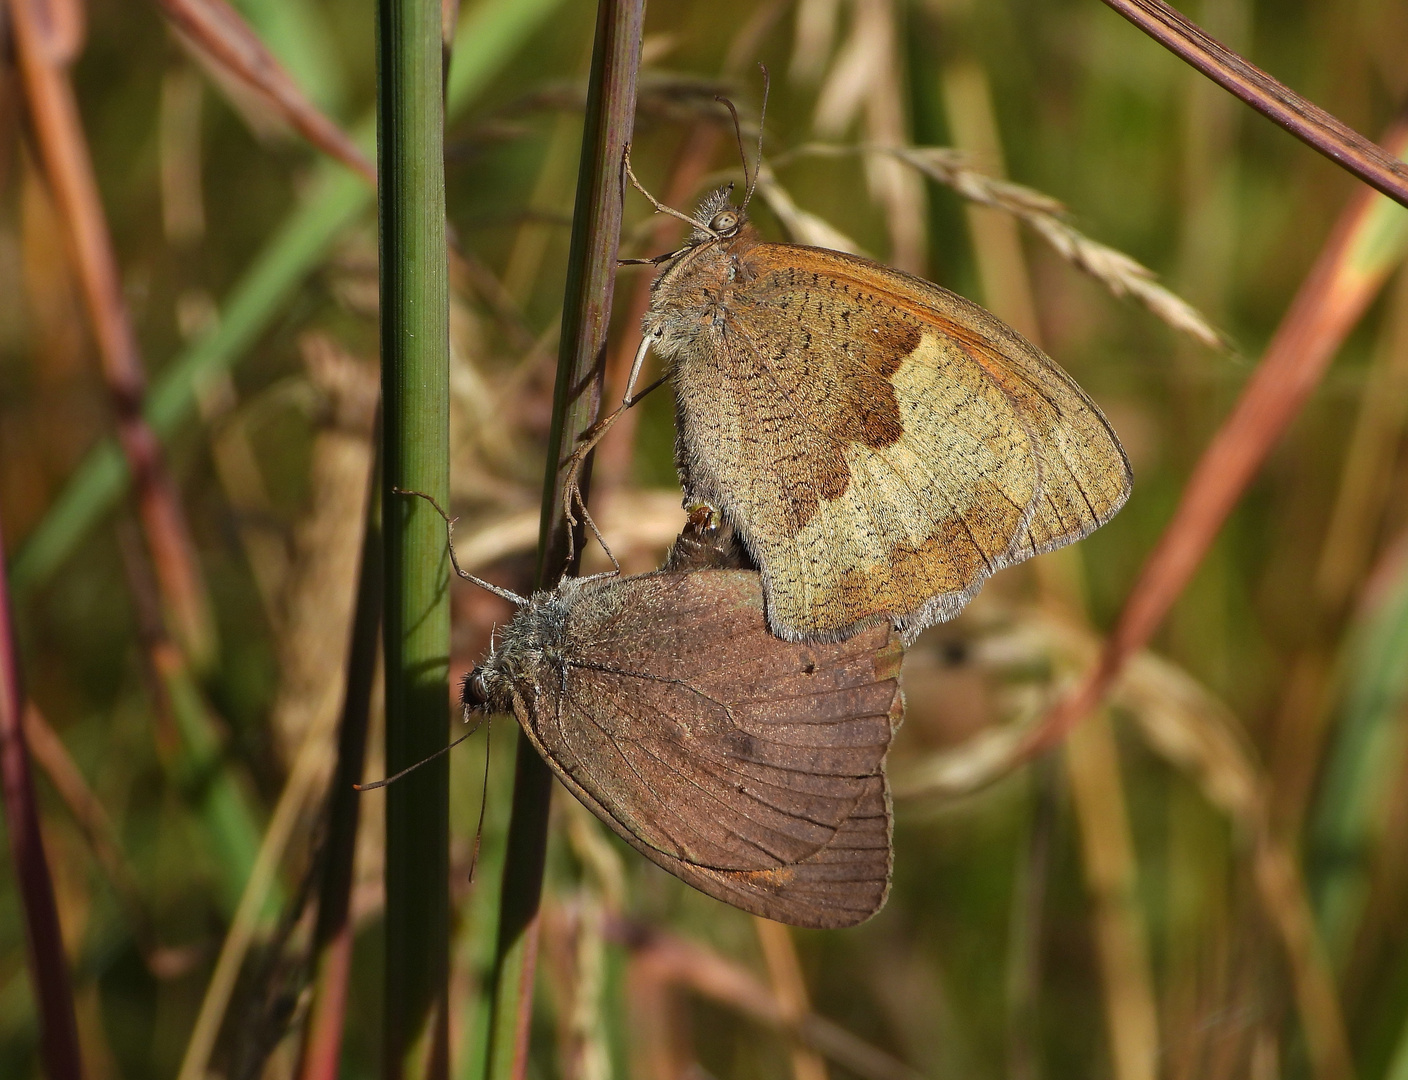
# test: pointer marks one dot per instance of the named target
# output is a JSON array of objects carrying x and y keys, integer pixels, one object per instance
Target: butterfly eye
[
  {"x": 725, "y": 222},
  {"x": 474, "y": 694}
]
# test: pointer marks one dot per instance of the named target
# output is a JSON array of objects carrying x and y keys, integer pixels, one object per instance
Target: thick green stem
[
  {"x": 415, "y": 394},
  {"x": 591, "y": 273}
]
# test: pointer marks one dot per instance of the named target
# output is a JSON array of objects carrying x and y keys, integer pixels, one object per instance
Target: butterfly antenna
[
  {"x": 412, "y": 768},
  {"x": 483, "y": 796},
  {"x": 450, "y": 542},
  {"x": 738, "y": 135},
  {"x": 762, "y": 117}
]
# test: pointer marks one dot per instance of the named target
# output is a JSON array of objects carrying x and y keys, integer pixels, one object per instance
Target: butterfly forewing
[
  {"x": 881, "y": 445},
  {"x": 748, "y": 766}
]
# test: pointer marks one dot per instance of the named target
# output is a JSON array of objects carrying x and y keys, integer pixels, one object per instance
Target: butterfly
[
  {"x": 749, "y": 767},
  {"x": 880, "y": 444}
]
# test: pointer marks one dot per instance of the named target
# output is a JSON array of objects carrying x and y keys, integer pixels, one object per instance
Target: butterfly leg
[
  {"x": 450, "y": 543},
  {"x": 571, "y": 485},
  {"x": 587, "y": 519},
  {"x": 659, "y": 206}
]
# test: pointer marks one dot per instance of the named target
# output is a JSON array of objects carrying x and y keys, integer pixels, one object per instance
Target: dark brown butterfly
[{"x": 750, "y": 767}]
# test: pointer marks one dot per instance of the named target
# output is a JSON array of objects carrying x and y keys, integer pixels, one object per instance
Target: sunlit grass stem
[{"x": 415, "y": 374}]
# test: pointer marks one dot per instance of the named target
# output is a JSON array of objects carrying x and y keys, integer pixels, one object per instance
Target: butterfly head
[
  {"x": 717, "y": 218},
  {"x": 530, "y": 646}
]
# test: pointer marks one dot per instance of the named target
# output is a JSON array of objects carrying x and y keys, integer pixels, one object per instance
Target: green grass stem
[{"x": 415, "y": 389}]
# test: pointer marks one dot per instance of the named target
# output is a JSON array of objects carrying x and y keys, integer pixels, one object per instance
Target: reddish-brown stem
[
  {"x": 48, "y": 966},
  {"x": 69, "y": 170},
  {"x": 221, "y": 33},
  {"x": 1328, "y": 305},
  {"x": 613, "y": 456},
  {"x": 1274, "y": 100},
  {"x": 591, "y": 275}
]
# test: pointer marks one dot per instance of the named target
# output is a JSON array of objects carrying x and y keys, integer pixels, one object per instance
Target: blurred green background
[{"x": 1208, "y": 881}]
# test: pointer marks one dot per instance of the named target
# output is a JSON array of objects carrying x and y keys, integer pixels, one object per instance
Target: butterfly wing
[
  {"x": 882, "y": 445},
  {"x": 749, "y": 767}
]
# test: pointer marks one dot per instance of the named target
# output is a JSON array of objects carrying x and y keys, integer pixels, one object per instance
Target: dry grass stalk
[
  {"x": 660, "y": 1043},
  {"x": 311, "y": 768},
  {"x": 997, "y": 245},
  {"x": 1306, "y": 121},
  {"x": 802, "y": 226},
  {"x": 1119, "y": 273},
  {"x": 670, "y": 960},
  {"x": 583, "y": 1048},
  {"x": 182, "y": 200},
  {"x": 321, "y": 591},
  {"x": 814, "y": 38},
  {"x": 551, "y": 194},
  {"x": 98, "y": 830},
  {"x": 614, "y": 455},
  {"x": 237, "y": 467},
  {"x": 44, "y": 944},
  {"x": 788, "y": 983},
  {"x": 1195, "y": 732},
  {"x": 864, "y": 82},
  {"x": 1351, "y": 269},
  {"x": 1107, "y": 853},
  {"x": 639, "y": 526},
  {"x": 1366, "y": 476}
]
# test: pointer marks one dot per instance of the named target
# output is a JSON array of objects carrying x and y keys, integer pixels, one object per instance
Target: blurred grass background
[{"x": 1158, "y": 898}]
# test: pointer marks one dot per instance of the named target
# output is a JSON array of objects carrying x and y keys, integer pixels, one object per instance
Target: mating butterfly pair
[{"x": 877, "y": 447}]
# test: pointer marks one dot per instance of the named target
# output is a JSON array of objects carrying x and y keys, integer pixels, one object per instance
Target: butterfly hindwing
[{"x": 750, "y": 767}]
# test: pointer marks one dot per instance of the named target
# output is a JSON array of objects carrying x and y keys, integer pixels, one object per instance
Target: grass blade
[
  {"x": 52, "y": 109},
  {"x": 332, "y": 938},
  {"x": 1111, "y": 876},
  {"x": 1361, "y": 766}
]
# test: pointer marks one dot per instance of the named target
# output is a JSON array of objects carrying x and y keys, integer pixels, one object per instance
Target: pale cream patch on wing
[{"x": 931, "y": 514}]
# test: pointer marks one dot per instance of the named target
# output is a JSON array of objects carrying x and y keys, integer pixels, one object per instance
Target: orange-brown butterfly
[
  {"x": 880, "y": 444},
  {"x": 751, "y": 768}
]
